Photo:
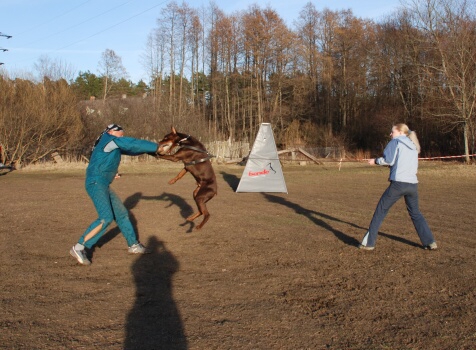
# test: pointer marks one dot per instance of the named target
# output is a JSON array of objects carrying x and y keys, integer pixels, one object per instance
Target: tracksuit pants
[
  {"x": 109, "y": 207},
  {"x": 392, "y": 194}
]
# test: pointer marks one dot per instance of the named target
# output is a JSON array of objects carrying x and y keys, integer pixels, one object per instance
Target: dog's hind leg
[
  {"x": 202, "y": 210},
  {"x": 198, "y": 213},
  {"x": 193, "y": 216},
  {"x": 206, "y": 216},
  {"x": 202, "y": 198}
]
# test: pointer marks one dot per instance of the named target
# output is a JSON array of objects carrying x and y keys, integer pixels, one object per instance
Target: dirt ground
[{"x": 268, "y": 271}]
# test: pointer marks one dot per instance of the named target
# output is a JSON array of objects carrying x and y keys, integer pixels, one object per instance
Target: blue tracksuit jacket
[
  {"x": 106, "y": 156},
  {"x": 402, "y": 156}
]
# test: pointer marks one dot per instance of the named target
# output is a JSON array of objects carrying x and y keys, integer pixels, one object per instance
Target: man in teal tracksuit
[{"x": 101, "y": 171}]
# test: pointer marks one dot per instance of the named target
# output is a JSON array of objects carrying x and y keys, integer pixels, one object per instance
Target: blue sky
[{"x": 76, "y": 32}]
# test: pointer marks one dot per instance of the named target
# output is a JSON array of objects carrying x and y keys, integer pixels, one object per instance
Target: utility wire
[
  {"x": 77, "y": 25},
  {"x": 54, "y": 18},
  {"x": 110, "y": 27}
]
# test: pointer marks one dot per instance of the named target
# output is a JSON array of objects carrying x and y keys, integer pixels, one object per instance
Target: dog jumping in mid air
[{"x": 196, "y": 160}]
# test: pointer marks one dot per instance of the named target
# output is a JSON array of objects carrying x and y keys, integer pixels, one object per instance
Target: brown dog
[{"x": 196, "y": 160}]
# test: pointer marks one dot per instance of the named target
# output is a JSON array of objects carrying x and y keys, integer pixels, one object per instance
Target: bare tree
[
  {"x": 185, "y": 19},
  {"x": 168, "y": 29},
  {"x": 195, "y": 40},
  {"x": 111, "y": 69},
  {"x": 449, "y": 67},
  {"x": 36, "y": 119},
  {"x": 153, "y": 61},
  {"x": 333, "y": 77},
  {"x": 266, "y": 53},
  {"x": 54, "y": 69},
  {"x": 327, "y": 23},
  {"x": 352, "y": 64},
  {"x": 308, "y": 49}
]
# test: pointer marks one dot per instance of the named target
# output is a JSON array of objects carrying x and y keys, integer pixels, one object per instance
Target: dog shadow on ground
[
  {"x": 130, "y": 203},
  {"x": 185, "y": 209},
  {"x": 155, "y": 322}
]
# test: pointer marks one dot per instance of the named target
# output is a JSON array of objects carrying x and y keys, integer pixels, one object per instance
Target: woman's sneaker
[
  {"x": 137, "y": 248},
  {"x": 80, "y": 255},
  {"x": 431, "y": 246}
]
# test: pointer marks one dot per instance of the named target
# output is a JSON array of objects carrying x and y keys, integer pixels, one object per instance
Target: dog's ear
[{"x": 174, "y": 131}]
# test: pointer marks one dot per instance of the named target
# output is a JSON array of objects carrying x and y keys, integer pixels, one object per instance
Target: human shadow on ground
[
  {"x": 400, "y": 239},
  {"x": 318, "y": 217},
  {"x": 154, "y": 322},
  {"x": 315, "y": 217},
  {"x": 185, "y": 209}
]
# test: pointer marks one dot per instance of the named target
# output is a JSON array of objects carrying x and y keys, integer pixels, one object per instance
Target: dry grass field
[{"x": 268, "y": 271}]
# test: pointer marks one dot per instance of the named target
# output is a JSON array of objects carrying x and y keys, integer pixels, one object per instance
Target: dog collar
[
  {"x": 201, "y": 160},
  {"x": 184, "y": 139}
]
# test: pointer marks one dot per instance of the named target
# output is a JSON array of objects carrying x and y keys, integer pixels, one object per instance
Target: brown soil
[{"x": 268, "y": 271}]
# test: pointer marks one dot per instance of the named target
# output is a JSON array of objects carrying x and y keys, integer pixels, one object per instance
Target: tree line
[{"x": 333, "y": 79}]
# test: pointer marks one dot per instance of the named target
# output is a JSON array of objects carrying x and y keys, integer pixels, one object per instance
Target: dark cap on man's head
[{"x": 114, "y": 127}]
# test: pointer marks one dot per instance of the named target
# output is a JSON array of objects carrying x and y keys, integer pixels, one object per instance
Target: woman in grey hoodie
[{"x": 401, "y": 154}]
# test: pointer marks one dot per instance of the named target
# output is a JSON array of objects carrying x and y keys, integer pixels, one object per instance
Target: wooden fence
[{"x": 225, "y": 151}]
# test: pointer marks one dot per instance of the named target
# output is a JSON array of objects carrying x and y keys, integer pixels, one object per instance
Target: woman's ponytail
[{"x": 413, "y": 136}]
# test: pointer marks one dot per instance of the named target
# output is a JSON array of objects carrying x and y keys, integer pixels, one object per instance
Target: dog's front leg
[
  {"x": 172, "y": 158},
  {"x": 178, "y": 177}
]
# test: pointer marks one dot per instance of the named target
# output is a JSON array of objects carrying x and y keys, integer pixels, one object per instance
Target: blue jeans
[
  {"x": 109, "y": 207},
  {"x": 392, "y": 194}
]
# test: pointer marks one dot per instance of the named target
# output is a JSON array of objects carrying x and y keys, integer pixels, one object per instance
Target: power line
[
  {"x": 77, "y": 25},
  {"x": 2, "y": 49},
  {"x": 110, "y": 27},
  {"x": 101, "y": 31},
  {"x": 54, "y": 18}
]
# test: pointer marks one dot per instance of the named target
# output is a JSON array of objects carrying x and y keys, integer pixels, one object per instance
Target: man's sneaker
[
  {"x": 431, "y": 246},
  {"x": 137, "y": 248},
  {"x": 80, "y": 255},
  {"x": 364, "y": 247}
]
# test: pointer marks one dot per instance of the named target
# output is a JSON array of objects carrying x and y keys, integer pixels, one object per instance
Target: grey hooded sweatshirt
[{"x": 402, "y": 156}]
